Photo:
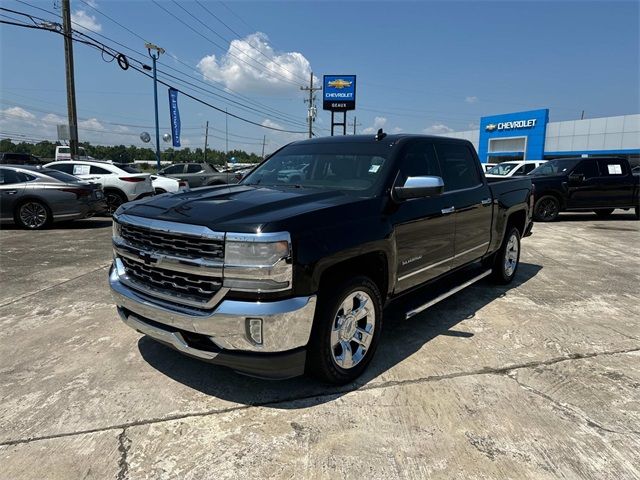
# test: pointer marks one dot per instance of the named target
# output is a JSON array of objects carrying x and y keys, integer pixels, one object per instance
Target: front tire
[
  {"x": 507, "y": 258},
  {"x": 33, "y": 215},
  {"x": 346, "y": 331},
  {"x": 546, "y": 209}
]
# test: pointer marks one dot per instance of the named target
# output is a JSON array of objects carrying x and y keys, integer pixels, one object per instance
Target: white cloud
[
  {"x": 397, "y": 130},
  {"x": 239, "y": 69},
  {"x": 85, "y": 21},
  {"x": 92, "y": 3},
  {"x": 91, "y": 123},
  {"x": 437, "y": 129},
  {"x": 54, "y": 119},
  {"x": 471, "y": 99},
  {"x": 19, "y": 112},
  {"x": 378, "y": 122}
]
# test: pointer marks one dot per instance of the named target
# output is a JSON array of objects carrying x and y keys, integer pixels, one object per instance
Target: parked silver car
[
  {"x": 199, "y": 174},
  {"x": 33, "y": 197}
]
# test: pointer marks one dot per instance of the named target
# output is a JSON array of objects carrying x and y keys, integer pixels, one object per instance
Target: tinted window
[
  {"x": 17, "y": 158},
  {"x": 610, "y": 167},
  {"x": 9, "y": 177},
  {"x": 98, "y": 171},
  {"x": 418, "y": 159},
  {"x": 555, "y": 167},
  {"x": 174, "y": 169},
  {"x": 529, "y": 167},
  {"x": 458, "y": 166},
  {"x": 63, "y": 177},
  {"x": 588, "y": 168},
  {"x": 127, "y": 168},
  {"x": 63, "y": 167},
  {"x": 194, "y": 168}
]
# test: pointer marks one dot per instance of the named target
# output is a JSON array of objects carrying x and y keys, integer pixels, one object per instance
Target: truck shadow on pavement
[{"x": 400, "y": 340}]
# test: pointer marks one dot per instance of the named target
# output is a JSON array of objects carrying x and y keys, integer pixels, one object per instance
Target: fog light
[{"x": 254, "y": 330}]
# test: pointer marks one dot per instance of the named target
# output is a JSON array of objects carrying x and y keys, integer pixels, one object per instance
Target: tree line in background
[{"x": 121, "y": 153}]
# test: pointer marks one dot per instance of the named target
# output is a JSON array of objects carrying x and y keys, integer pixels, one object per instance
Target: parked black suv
[
  {"x": 600, "y": 184},
  {"x": 20, "y": 159},
  {"x": 286, "y": 273}
]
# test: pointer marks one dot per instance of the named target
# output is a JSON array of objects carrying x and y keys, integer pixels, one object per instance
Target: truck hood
[{"x": 240, "y": 208}]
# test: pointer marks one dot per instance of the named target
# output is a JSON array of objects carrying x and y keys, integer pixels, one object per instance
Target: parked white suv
[
  {"x": 513, "y": 169},
  {"x": 160, "y": 184},
  {"x": 119, "y": 186}
]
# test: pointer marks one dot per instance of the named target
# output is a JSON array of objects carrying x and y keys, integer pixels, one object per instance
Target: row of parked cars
[{"x": 34, "y": 196}]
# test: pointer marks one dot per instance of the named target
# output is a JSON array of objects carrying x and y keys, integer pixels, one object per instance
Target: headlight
[
  {"x": 258, "y": 262},
  {"x": 116, "y": 229}
]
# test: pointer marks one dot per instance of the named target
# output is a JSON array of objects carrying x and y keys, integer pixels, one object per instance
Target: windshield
[
  {"x": 63, "y": 177},
  {"x": 349, "y": 167},
  {"x": 555, "y": 167},
  {"x": 502, "y": 168},
  {"x": 64, "y": 150}
]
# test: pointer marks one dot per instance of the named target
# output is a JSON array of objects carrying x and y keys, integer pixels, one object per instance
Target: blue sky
[{"x": 422, "y": 66}]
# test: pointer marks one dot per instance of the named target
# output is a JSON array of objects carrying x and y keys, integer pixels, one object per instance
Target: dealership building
[{"x": 530, "y": 136}]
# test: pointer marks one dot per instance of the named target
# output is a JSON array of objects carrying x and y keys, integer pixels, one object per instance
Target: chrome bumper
[{"x": 286, "y": 324}]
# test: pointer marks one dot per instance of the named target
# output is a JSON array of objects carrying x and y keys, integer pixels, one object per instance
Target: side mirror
[
  {"x": 576, "y": 177},
  {"x": 419, "y": 187}
]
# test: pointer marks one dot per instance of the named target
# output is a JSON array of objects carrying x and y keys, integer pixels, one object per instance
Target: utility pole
[
  {"x": 71, "y": 84},
  {"x": 311, "y": 112},
  {"x": 206, "y": 139},
  {"x": 264, "y": 140},
  {"x": 355, "y": 124},
  {"x": 226, "y": 139},
  {"x": 154, "y": 56},
  {"x": 582, "y": 116}
]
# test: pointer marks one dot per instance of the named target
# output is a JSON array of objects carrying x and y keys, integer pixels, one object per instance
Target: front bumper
[{"x": 221, "y": 335}]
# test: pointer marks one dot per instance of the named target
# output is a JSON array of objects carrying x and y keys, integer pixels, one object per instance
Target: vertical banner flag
[{"x": 175, "y": 117}]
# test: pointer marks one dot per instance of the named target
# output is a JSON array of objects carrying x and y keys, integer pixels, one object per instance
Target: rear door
[
  {"x": 616, "y": 183},
  {"x": 11, "y": 189},
  {"x": 424, "y": 230},
  {"x": 195, "y": 175},
  {"x": 469, "y": 196},
  {"x": 587, "y": 192}
]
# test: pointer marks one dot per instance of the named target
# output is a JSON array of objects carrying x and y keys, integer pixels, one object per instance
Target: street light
[{"x": 154, "y": 56}]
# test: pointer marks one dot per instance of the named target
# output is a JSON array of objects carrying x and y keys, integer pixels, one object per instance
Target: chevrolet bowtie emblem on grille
[
  {"x": 147, "y": 258},
  {"x": 491, "y": 127},
  {"x": 339, "y": 83}
]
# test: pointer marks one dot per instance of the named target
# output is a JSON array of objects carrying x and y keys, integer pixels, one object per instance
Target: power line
[{"x": 264, "y": 107}]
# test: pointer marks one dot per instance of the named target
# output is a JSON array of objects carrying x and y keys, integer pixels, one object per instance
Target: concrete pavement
[{"x": 540, "y": 379}]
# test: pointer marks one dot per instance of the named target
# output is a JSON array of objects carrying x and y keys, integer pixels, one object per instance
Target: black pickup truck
[
  {"x": 599, "y": 184},
  {"x": 283, "y": 274}
]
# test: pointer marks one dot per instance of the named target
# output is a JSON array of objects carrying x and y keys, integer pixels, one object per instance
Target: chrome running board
[{"x": 447, "y": 294}]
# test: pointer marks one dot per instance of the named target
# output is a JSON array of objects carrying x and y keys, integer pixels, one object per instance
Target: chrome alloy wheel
[
  {"x": 511, "y": 256},
  {"x": 352, "y": 329},
  {"x": 33, "y": 215}
]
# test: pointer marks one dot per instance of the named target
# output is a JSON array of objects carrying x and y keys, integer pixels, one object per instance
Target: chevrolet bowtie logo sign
[
  {"x": 339, "y": 83},
  {"x": 491, "y": 127}
]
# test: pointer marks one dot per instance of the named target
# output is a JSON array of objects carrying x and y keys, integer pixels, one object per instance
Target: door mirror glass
[
  {"x": 419, "y": 187},
  {"x": 576, "y": 177}
]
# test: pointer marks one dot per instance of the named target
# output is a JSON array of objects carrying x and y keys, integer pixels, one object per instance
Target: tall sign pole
[
  {"x": 157, "y": 51},
  {"x": 339, "y": 95},
  {"x": 311, "y": 112},
  {"x": 206, "y": 139},
  {"x": 71, "y": 84}
]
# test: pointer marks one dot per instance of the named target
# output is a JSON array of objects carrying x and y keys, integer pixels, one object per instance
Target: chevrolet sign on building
[{"x": 511, "y": 125}]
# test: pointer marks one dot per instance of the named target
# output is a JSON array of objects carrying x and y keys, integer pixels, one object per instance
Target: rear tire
[
  {"x": 604, "y": 213},
  {"x": 546, "y": 209},
  {"x": 33, "y": 215},
  {"x": 507, "y": 259},
  {"x": 346, "y": 330},
  {"x": 114, "y": 199}
]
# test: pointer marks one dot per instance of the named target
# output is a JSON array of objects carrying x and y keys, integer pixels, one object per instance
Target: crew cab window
[
  {"x": 588, "y": 168},
  {"x": 458, "y": 166},
  {"x": 9, "y": 177},
  {"x": 611, "y": 167},
  {"x": 419, "y": 160},
  {"x": 94, "y": 170},
  {"x": 194, "y": 168}
]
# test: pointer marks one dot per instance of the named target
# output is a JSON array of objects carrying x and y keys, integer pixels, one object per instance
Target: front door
[
  {"x": 424, "y": 229},
  {"x": 470, "y": 196},
  {"x": 584, "y": 192},
  {"x": 11, "y": 189}
]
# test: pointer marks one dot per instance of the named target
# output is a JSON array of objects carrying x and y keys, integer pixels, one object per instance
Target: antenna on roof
[{"x": 380, "y": 135}]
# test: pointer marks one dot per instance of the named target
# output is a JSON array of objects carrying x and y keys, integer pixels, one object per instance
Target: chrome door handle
[
  {"x": 446, "y": 211},
  {"x": 11, "y": 192},
  {"x": 486, "y": 201}
]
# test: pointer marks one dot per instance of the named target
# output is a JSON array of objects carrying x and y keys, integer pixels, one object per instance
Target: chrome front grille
[
  {"x": 179, "y": 245},
  {"x": 196, "y": 287}
]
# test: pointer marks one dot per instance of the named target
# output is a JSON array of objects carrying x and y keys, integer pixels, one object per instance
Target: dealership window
[
  {"x": 459, "y": 167},
  {"x": 511, "y": 144}
]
